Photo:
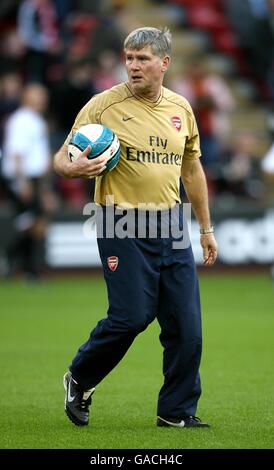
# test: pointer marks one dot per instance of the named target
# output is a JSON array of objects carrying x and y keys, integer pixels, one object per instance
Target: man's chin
[{"x": 137, "y": 88}]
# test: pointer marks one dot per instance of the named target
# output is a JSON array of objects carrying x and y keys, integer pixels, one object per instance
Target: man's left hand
[{"x": 209, "y": 246}]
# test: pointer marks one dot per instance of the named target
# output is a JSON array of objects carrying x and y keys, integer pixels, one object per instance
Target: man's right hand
[{"x": 83, "y": 167}]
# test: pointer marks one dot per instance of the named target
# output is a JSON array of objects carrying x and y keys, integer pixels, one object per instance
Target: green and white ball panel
[{"x": 73, "y": 152}]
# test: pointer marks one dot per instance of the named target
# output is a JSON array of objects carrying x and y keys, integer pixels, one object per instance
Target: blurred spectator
[
  {"x": 80, "y": 30},
  {"x": 10, "y": 93},
  {"x": 270, "y": 4},
  {"x": 268, "y": 173},
  {"x": 12, "y": 52},
  {"x": 8, "y": 7},
  {"x": 211, "y": 101},
  {"x": 63, "y": 9},
  {"x": 253, "y": 22},
  {"x": 91, "y": 35},
  {"x": 68, "y": 96},
  {"x": 239, "y": 170},
  {"x": 107, "y": 35},
  {"x": 268, "y": 162},
  {"x": 26, "y": 162},
  {"x": 39, "y": 32},
  {"x": 88, "y": 6},
  {"x": 109, "y": 72}
]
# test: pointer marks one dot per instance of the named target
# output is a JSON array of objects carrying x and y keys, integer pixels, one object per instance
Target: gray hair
[{"x": 158, "y": 39}]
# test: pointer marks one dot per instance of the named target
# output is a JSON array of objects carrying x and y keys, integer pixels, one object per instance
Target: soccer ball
[{"x": 102, "y": 140}]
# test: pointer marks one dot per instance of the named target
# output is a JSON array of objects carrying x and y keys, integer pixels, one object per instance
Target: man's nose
[{"x": 135, "y": 64}]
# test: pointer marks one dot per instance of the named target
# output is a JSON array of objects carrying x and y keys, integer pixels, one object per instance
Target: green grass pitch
[{"x": 42, "y": 326}]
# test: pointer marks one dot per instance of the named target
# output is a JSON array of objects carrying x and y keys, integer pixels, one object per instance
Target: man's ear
[{"x": 166, "y": 62}]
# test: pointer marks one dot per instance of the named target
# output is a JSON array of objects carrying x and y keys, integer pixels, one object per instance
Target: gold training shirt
[{"x": 155, "y": 137}]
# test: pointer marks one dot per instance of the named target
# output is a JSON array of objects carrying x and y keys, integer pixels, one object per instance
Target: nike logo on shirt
[{"x": 128, "y": 118}]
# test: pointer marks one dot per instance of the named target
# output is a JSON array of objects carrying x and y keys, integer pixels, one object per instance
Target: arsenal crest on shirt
[
  {"x": 113, "y": 262},
  {"x": 177, "y": 123}
]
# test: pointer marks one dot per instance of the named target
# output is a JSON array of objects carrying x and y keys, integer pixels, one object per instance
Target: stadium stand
[{"x": 75, "y": 50}]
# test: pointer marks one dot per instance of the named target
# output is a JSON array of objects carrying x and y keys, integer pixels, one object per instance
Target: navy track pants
[{"x": 152, "y": 280}]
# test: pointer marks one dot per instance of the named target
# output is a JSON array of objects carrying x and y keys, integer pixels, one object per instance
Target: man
[
  {"x": 146, "y": 277},
  {"x": 26, "y": 162}
]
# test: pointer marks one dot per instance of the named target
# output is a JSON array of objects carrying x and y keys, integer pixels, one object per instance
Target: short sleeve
[{"x": 192, "y": 145}]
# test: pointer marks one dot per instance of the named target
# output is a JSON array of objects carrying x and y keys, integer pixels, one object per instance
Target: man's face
[{"x": 145, "y": 70}]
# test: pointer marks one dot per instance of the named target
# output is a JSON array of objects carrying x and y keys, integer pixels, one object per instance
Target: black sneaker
[
  {"x": 77, "y": 401},
  {"x": 187, "y": 422}
]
